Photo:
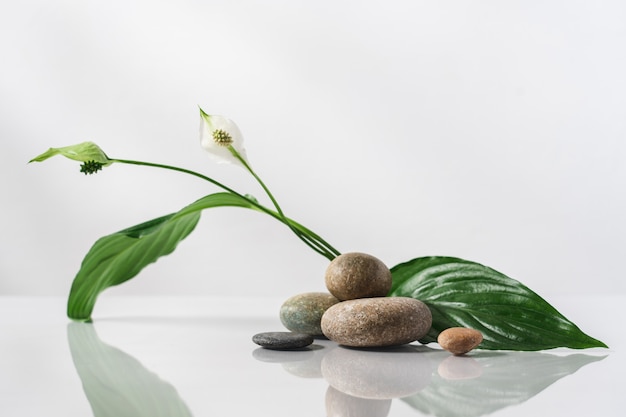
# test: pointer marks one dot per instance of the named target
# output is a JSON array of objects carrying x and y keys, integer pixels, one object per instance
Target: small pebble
[
  {"x": 357, "y": 275},
  {"x": 302, "y": 313},
  {"x": 459, "y": 340},
  {"x": 282, "y": 340},
  {"x": 377, "y": 322}
]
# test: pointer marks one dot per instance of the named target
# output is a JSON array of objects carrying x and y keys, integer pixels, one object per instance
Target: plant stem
[
  {"x": 307, "y": 235},
  {"x": 311, "y": 239}
]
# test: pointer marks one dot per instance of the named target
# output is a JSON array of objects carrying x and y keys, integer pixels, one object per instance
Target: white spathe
[{"x": 220, "y": 152}]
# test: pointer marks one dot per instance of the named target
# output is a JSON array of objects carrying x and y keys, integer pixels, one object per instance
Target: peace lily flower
[{"x": 222, "y": 139}]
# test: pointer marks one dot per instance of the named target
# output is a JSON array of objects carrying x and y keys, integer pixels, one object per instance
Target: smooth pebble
[
  {"x": 377, "y": 322},
  {"x": 282, "y": 340},
  {"x": 302, "y": 313},
  {"x": 357, "y": 275},
  {"x": 459, "y": 340}
]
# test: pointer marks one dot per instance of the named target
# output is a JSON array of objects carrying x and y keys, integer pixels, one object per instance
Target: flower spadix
[{"x": 222, "y": 139}]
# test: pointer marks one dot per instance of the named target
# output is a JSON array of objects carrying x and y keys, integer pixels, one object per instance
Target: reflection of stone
[
  {"x": 115, "y": 383},
  {"x": 363, "y": 381},
  {"x": 339, "y": 404},
  {"x": 377, "y": 374},
  {"x": 508, "y": 378},
  {"x": 459, "y": 367},
  {"x": 305, "y": 363},
  {"x": 312, "y": 367},
  {"x": 282, "y": 356}
]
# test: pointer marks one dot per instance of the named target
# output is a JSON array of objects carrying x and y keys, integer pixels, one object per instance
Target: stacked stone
[{"x": 356, "y": 311}]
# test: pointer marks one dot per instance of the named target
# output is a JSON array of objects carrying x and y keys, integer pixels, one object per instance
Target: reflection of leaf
[
  {"x": 115, "y": 383},
  {"x": 507, "y": 379}
]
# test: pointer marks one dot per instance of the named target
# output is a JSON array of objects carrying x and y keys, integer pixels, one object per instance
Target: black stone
[{"x": 282, "y": 340}]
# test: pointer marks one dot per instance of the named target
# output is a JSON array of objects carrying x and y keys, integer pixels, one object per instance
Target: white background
[{"x": 488, "y": 130}]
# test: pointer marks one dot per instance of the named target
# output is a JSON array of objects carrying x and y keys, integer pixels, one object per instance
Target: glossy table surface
[{"x": 175, "y": 356}]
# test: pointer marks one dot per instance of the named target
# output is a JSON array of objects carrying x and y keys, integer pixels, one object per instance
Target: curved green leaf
[
  {"x": 467, "y": 294},
  {"x": 84, "y": 152},
  {"x": 118, "y": 257}
]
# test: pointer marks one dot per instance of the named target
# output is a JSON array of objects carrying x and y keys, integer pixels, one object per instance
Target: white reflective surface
[{"x": 180, "y": 357}]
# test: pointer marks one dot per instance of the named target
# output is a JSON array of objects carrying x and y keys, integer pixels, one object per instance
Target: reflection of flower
[{"x": 222, "y": 139}]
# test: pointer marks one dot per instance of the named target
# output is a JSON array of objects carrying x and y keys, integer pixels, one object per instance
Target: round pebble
[
  {"x": 302, "y": 313},
  {"x": 377, "y": 322},
  {"x": 282, "y": 340},
  {"x": 357, "y": 275},
  {"x": 459, "y": 340}
]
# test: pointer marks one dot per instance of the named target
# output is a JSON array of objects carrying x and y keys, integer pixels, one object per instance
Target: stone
[
  {"x": 282, "y": 340},
  {"x": 357, "y": 275},
  {"x": 377, "y": 322},
  {"x": 459, "y": 340},
  {"x": 302, "y": 313}
]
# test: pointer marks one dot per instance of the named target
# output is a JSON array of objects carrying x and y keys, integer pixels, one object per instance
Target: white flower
[{"x": 222, "y": 139}]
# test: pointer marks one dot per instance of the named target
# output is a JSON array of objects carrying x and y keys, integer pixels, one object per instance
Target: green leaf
[
  {"x": 466, "y": 294},
  {"x": 118, "y": 257},
  {"x": 84, "y": 152}
]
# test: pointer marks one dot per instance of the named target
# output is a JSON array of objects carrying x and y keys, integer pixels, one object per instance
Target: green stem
[
  {"x": 311, "y": 239},
  {"x": 256, "y": 177},
  {"x": 304, "y": 234}
]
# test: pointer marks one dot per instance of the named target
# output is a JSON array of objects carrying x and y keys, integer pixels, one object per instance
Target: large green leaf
[
  {"x": 118, "y": 257},
  {"x": 463, "y": 293}
]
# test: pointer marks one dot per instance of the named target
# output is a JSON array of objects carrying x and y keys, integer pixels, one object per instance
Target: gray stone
[
  {"x": 357, "y": 275},
  {"x": 302, "y": 313},
  {"x": 282, "y": 340},
  {"x": 377, "y": 322}
]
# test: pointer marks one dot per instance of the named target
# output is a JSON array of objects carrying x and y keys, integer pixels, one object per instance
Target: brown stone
[
  {"x": 377, "y": 322},
  {"x": 459, "y": 340},
  {"x": 357, "y": 275}
]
